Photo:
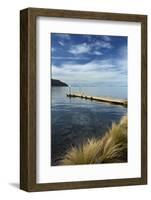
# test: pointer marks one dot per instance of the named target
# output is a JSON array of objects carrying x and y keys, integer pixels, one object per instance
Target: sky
[{"x": 89, "y": 60}]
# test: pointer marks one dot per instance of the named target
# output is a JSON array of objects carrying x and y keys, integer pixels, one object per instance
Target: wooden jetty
[{"x": 100, "y": 99}]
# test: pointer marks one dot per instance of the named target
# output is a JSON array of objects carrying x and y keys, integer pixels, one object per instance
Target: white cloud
[
  {"x": 69, "y": 58},
  {"x": 123, "y": 51},
  {"x": 102, "y": 44},
  {"x": 61, "y": 43},
  {"x": 75, "y": 75},
  {"x": 98, "y": 53},
  {"x": 80, "y": 48},
  {"x": 63, "y": 35},
  {"x": 52, "y": 49},
  {"x": 93, "y": 66},
  {"x": 90, "y": 48},
  {"x": 106, "y": 38},
  {"x": 94, "y": 71},
  {"x": 123, "y": 59}
]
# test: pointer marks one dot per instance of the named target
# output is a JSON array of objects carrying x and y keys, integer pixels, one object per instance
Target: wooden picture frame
[{"x": 28, "y": 98}]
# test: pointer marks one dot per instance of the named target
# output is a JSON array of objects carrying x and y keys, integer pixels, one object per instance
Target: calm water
[{"x": 74, "y": 119}]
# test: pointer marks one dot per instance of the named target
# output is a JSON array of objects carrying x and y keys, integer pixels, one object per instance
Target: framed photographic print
[{"x": 83, "y": 93}]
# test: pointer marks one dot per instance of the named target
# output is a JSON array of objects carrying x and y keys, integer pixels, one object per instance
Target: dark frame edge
[
  {"x": 144, "y": 140},
  {"x": 94, "y": 15},
  {"x": 23, "y": 99},
  {"x": 27, "y": 104},
  {"x": 41, "y": 187}
]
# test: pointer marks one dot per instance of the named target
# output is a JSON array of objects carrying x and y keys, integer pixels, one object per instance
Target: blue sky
[{"x": 89, "y": 60}]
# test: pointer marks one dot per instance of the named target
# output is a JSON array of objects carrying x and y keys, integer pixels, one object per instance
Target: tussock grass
[{"x": 111, "y": 148}]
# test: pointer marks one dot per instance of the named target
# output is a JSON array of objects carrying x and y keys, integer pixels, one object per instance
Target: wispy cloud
[
  {"x": 52, "y": 49},
  {"x": 63, "y": 36},
  {"x": 80, "y": 48},
  {"x": 91, "y": 48},
  {"x": 98, "y": 53},
  {"x": 102, "y": 44},
  {"x": 61, "y": 43},
  {"x": 106, "y": 38},
  {"x": 68, "y": 58},
  {"x": 98, "y": 71}
]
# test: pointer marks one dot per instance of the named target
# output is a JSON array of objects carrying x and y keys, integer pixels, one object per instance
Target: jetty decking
[{"x": 101, "y": 99}]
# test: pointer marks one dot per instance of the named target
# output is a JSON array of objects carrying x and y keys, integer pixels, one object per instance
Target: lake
[{"x": 74, "y": 120}]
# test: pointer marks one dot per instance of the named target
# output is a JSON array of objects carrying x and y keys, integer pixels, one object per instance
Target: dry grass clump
[{"x": 111, "y": 148}]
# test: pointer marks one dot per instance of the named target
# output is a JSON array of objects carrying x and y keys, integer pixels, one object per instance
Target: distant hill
[{"x": 58, "y": 83}]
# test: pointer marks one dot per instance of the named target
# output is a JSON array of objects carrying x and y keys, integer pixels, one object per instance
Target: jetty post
[{"x": 69, "y": 90}]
